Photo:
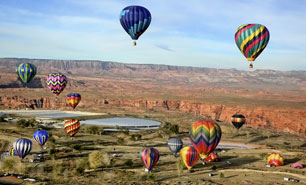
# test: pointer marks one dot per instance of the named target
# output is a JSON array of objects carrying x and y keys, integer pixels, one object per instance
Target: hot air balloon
[
  {"x": 72, "y": 127},
  {"x": 135, "y": 20},
  {"x": 41, "y": 137},
  {"x": 56, "y": 83},
  {"x": 189, "y": 156},
  {"x": 275, "y": 159},
  {"x": 251, "y": 40},
  {"x": 12, "y": 151},
  {"x": 238, "y": 120},
  {"x": 175, "y": 144},
  {"x": 213, "y": 157},
  {"x": 149, "y": 157},
  {"x": 26, "y": 72},
  {"x": 205, "y": 136},
  {"x": 73, "y": 99},
  {"x": 23, "y": 147}
]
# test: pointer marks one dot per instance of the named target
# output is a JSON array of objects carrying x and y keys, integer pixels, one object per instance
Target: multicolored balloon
[
  {"x": 275, "y": 159},
  {"x": 213, "y": 157},
  {"x": 135, "y": 20},
  {"x": 149, "y": 157},
  {"x": 23, "y": 147},
  {"x": 12, "y": 151},
  {"x": 205, "y": 136},
  {"x": 41, "y": 137},
  {"x": 189, "y": 156},
  {"x": 73, "y": 99},
  {"x": 238, "y": 120},
  {"x": 251, "y": 40},
  {"x": 26, "y": 72},
  {"x": 72, "y": 126},
  {"x": 56, "y": 83},
  {"x": 175, "y": 144}
]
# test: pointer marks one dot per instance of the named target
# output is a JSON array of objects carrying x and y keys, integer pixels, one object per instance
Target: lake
[
  {"x": 49, "y": 113},
  {"x": 126, "y": 122}
]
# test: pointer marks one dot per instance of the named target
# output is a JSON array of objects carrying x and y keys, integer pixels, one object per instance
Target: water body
[
  {"x": 49, "y": 113},
  {"x": 130, "y": 123}
]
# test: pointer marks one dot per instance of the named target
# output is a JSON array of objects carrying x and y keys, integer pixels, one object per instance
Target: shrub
[
  {"x": 136, "y": 137},
  {"x": 180, "y": 166},
  {"x": 81, "y": 166},
  {"x": 152, "y": 177},
  {"x": 22, "y": 123},
  {"x": 120, "y": 141},
  {"x": 221, "y": 175},
  {"x": 174, "y": 129},
  {"x": 2, "y": 118},
  {"x": 128, "y": 162},
  {"x": 32, "y": 122},
  {"x": 92, "y": 130},
  {"x": 96, "y": 159}
]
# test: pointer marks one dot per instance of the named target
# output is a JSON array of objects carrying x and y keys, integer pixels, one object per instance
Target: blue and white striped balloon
[
  {"x": 175, "y": 144},
  {"x": 41, "y": 137},
  {"x": 23, "y": 147}
]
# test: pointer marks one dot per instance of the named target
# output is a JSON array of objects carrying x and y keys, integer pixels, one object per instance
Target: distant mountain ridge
[{"x": 174, "y": 74}]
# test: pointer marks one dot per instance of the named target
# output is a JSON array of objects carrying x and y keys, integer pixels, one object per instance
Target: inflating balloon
[
  {"x": 238, "y": 120},
  {"x": 135, "y": 20},
  {"x": 73, "y": 99},
  {"x": 189, "y": 156},
  {"x": 26, "y": 72},
  {"x": 23, "y": 147},
  {"x": 56, "y": 83},
  {"x": 175, "y": 144},
  {"x": 251, "y": 40},
  {"x": 213, "y": 157},
  {"x": 205, "y": 135},
  {"x": 149, "y": 157},
  {"x": 41, "y": 137},
  {"x": 12, "y": 151},
  {"x": 275, "y": 159},
  {"x": 72, "y": 127}
]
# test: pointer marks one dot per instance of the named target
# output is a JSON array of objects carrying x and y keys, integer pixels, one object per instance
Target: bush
[
  {"x": 136, "y": 137},
  {"x": 174, "y": 129},
  {"x": 128, "y": 162},
  {"x": 81, "y": 166},
  {"x": 95, "y": 159},
  {"x": 77, "y": 147},
  {"x": 22, "y": 123},
  {"x": 152, "y": 177},
  {"x": 32, "y": 122},
  {"x": 2, "y": 118},
  {"x": 120, "y": 141},
  {"x": 180, "y": 166},
  {"x": 221, "y": 175},
  {"x": 92, "y": 130}
]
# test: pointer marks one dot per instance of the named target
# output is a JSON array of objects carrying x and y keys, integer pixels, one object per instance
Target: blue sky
[{"x": 186, "y": 33}]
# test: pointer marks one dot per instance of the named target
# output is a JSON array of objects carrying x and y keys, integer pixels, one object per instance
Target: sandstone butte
[{"x": 283, "y": 119}]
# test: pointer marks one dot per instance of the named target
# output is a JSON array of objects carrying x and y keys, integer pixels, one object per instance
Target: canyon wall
[{"x": 289, "y": 120}]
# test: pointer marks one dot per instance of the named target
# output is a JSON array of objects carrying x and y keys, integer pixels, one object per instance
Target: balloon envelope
[
  {"x": 23, "y": 147},
  {"x": 275, "y": 159},
  {"x": 238, "y": 120},
  {"x": 73, "y": 99},
  {"x": 41, "y": 137},
  {"x": 251, "y": 39},
  {"x": 26, "y": 72},
  {"x": 72, "y": 127},
  {"x": 12, "y": 151},
  {"x": 149, "y": 157},
  {"x": 135, "y": 20},
  {"x": 189, "y": 156},
  {"x": 212, "y": 157},
  {"x": 56, "y": 83},
  {"x": 175, "y": 144},
  {"x": 205, "y": 135}
]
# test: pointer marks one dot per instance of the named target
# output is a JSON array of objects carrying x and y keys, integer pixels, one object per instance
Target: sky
[{"x": 196, "y": 33}]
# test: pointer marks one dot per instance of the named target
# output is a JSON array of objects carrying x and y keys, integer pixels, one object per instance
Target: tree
[
  {"x": 95, "y": 159},
  {"x": 174, "y": 129},
  {"x": 23, "y": 123}
]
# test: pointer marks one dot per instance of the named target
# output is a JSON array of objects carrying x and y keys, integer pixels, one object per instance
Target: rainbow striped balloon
[
  {"x": 251, "y": 40},
  {"x": 56, "y": 83},
  {"x": 238, "y": 120},
  {"x": 12, "y": 151},
  {"x": 26, "y": 72},
  {"x": 73, "y": 99},
  {"x": 275, "y": 159},
  {"x": 72, "y": 126},
  {"x": 205, "y": 136},
  {"x": 189, "y": 156},
  {"x": 213, "y": 157},
  {"x": 149, "y": 157}
]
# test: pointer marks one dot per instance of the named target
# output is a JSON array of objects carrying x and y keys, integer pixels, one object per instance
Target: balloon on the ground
[
  {"x": 212, "y": 157},
  {"x": 238, "y": 120},
  {"x": 149, "y": 157},
  {"x": 26, "y": 72},
  {"x": 175, "y": 144},
  {"x": 12, "y": 151},
  {"x": 251, "y": 40},
  {"x": 189, "y": 156},
  {"x": 205, "y": 135},
  {"x": 56, "y": 83},
  {"x": 23, "y": 147},
  {"x": 275, "y": 159},
  {"x": 73, "y": 99},
  {"x": 135, "y": 20},
  {"x": 41, "y": 137},
  {"x": 72, "y": 126}
]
